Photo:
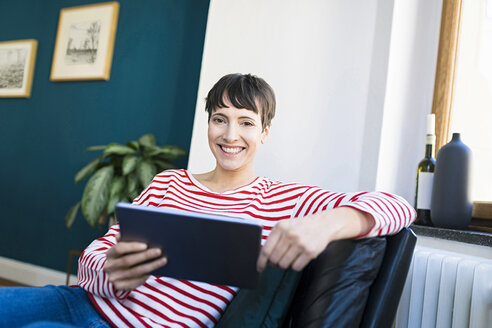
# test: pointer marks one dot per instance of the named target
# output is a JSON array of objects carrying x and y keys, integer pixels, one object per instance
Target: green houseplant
[{"x": 120, "y": 174}]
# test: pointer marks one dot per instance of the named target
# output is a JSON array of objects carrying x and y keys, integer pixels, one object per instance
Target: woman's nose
[{"x": 231, "y": 133}]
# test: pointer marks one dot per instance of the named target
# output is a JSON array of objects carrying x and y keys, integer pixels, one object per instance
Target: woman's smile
[{"x": 231, "y": 150}]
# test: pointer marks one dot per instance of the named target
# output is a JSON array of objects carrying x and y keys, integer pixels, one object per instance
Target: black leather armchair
[
  {"x": 353, "y": 283},
  {"x": 386, "y": 290}
]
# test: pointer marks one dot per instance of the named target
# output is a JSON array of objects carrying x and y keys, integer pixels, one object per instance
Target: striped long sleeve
[
  {"x": 166, "y": 302},
  {"x": 91, "y": 276},
  {"x": 391, "y": 213}
]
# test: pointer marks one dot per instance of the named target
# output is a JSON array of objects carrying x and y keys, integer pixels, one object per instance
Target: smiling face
[{"x": 234, "y": 135}]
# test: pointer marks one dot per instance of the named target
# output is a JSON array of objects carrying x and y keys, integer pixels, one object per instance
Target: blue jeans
[{"x": 49, "y": 306}]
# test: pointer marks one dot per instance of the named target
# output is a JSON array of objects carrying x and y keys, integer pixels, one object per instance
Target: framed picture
[
  {"x": 84, "y": 42},
  {"x": 17, "y": 60}
]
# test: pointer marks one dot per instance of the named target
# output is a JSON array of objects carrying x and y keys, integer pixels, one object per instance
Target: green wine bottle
[{"x": 425, "y": 176}]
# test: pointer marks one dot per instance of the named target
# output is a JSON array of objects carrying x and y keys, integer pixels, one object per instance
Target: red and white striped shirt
[{"x": 166, "y": 302}]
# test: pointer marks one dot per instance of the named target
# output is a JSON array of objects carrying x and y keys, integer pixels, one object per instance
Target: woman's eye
[
  {"x": 247, "y": 123},
  {"x": 218, "y": 120}
]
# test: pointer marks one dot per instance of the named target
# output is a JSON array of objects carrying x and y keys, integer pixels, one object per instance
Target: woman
[{"x": 299, "y": 221}]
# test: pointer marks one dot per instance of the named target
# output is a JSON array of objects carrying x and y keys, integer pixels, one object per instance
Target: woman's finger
[
  {"x": 130, "y": 260},
  {"x": 282, "y": 246},
  {"x": 267, "y": 249},
  {"x": 123, "y": 248},
  {"x": 138, "y": 270},
  {"x": 301, "y": 261},
  {"x": 289, "y": 257}
]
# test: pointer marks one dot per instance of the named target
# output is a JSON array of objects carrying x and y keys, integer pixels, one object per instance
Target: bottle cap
[{"x": 431, "y": 123}]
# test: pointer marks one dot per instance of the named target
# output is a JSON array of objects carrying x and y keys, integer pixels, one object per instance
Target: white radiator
[{"x": 446, "y": 289}]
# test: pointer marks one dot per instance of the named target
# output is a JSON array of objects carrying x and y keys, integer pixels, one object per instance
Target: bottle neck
[
  {"x": 430, "y": 142},
  {"x": 429, "y": 151}
]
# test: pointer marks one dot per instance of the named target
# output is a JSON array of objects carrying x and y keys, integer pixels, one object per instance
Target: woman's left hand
[{"x": 294, "y": 243}]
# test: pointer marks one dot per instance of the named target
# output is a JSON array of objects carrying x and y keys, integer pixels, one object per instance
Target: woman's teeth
[{"x": 234, "y": 150}]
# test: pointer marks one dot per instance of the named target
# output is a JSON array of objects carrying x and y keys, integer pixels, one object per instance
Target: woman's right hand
[{"x": 129, "y": 264}]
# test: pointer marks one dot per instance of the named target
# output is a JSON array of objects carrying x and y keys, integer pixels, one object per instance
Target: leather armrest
[{"x": 334, "y": 287}]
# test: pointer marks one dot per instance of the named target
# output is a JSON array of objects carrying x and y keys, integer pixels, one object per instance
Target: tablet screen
[{"x": 201, "y": 247}]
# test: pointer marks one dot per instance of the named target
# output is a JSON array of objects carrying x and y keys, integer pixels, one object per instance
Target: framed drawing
[
  {"x": 17, "y": 60},
  {"x": 84, "y": 42}
]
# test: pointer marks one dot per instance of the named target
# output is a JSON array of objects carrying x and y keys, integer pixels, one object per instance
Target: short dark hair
[{"x": 243, "y": 91}]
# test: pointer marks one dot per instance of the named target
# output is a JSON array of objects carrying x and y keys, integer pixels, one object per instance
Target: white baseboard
[{"x": 32, "y": 275}]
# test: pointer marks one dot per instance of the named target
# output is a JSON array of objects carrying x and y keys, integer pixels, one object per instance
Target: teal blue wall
[{"x": 152, "y": 89}]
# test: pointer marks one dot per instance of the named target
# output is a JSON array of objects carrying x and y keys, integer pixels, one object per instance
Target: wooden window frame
[
  {"x": 445, "y": 69},
  {"x": 443, "y": 94}
]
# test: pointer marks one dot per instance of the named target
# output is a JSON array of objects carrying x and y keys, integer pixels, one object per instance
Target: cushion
[
  {"x": 334, "y": 287},
  {"x": 267, "y": 305}
]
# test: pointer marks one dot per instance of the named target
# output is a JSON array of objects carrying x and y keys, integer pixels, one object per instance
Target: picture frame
[
  {"x": 85, "y": 42},
  {"x": 17, "y": 61}
]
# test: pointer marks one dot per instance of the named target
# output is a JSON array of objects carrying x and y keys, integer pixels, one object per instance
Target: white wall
[
  {"x": 410, "y": 86},
  {"x": 329, "y": 63}
]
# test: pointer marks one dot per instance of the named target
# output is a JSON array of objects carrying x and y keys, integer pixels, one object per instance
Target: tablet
[{"x": 201, "y": 247}]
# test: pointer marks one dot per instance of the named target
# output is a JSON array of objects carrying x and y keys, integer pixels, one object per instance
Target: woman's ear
[{"x": 264, "y": 134}]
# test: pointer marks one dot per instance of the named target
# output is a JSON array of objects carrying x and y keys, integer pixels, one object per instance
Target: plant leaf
[
  {"x": 87, "y": 170},
  {"x": 116, "y": 194},
  {"x": 103, "y": 217},
  {"x": 133, "y": 189},
  {"x": 93, "y": 148},
  {"x": 146, "y": 172},
  {"x": 149, "y": 151},
  {"x": 147, "y": 140},
  {"x": 169, "y": 152},
  {"x": 129, "y": 164},
  {"x": 118, "y": 149},
  {"x": 125, "y": 200},
  {"x": 71, "y": 215},
  {"x": 152, "y": 151},
  {"x": 175, "y": 151},
  {"x": 96, "y": 194},
  {"x": 117, "y": 186},
  {"x": 163, "y": 164},
  {"x": 133, "y": 144},
  {"x": 113, "y": 200}
]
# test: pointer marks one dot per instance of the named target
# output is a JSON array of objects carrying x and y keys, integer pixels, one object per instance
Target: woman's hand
[
  {"x": 294, "y": 243},
  {"x": 129, "y": 264}
]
